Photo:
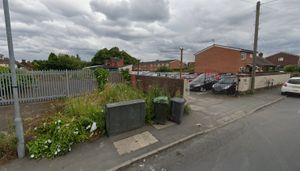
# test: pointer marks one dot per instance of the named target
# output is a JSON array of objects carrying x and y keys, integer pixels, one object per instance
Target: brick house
[
  {"x": 27, "y": 65},
  {"x": 282, "y": 59},
  {"x": 154, "y": 65},
  {"x": 114, "y": 62},
  {"x": 4, "y": 62},
  {"x": 226, "y": 59}
]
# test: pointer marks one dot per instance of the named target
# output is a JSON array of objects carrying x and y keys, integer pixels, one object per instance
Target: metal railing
[{"x": 46, "y": 85}]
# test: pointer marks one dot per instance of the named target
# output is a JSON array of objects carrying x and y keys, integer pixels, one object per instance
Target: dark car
[
  {"x": 203, "y": 82},
  {"x": 226, "y": 84}
]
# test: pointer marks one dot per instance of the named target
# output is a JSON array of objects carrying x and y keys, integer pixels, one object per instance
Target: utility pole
[
  {"x": 181, "y": 55},
  {"x": 255, "y": 46},
  {"x": 138, "y": 71},
  {"x": 18, "y": 118}
]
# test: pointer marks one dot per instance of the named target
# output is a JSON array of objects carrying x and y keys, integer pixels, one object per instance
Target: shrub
[
  {"x": 56, "y": 136},
  {"x": 164, "y": 69},
  {"x": 187, "y": 109},
  {"x": 292, "y": 68},
  {"x": 101, "y": 76},
  {"x": 125, "y": 74},
  {"x": 77, "y": 123},
  {"x": 4, "y": 69}
]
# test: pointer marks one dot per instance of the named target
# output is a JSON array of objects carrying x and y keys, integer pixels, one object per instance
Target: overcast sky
[{"x": 147, "y": 29}]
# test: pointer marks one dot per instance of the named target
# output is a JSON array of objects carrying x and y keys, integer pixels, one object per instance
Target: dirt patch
[{"x": 29, "y": 112}]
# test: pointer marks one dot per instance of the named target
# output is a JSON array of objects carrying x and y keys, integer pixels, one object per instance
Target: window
[
  {"x": 280, "y": 59},
  {"x": 243, "y": 56},
  {"x": 294, "y": 81}
]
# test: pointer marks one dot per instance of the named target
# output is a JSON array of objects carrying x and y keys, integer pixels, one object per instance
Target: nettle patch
[{"x": 56, "y": 137}]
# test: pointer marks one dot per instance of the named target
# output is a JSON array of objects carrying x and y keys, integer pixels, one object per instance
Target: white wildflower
[
  {"x": 44, "y": 124},
  {"x": 46, "y": 142},
  {"x": 58, "y": 127},
  {"x": 70, "y": 149},
  {"x": 55, "y": 153},
  {"x": 46, "y": 146},
  {"x": 49, "y": 141},
  {"x": 75, "y": 132},
  {"x": 58, "y": 150},
  {"x": 94, "y": 127},
  {"x": 32, "y": 156},
  {"x": 55, "y": 122},
  {"x": 59, "y": 121},
  {"x": 88, "y": 127},
  {"x": 35, "y": 128}
]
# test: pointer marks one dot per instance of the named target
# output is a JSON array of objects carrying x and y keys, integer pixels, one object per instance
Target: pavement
[
  {"x": 208, "y": 112},
  {"x": 267, "y": 140}
]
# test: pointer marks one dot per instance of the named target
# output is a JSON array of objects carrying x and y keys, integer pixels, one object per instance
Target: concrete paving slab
[
  {"x": 134, "y": 143},
  {"x": 167, "y": 125}
]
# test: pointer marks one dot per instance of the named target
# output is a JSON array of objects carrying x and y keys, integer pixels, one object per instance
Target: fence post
[{"x": 67, "y": 82}]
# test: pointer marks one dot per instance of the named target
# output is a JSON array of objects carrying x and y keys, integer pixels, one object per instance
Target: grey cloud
[
  {"x": 133, "y": 10},
  {"x": 147, "y": 29}
]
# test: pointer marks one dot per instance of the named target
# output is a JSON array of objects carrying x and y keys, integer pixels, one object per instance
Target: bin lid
[
  {"x": 161, "y": 99},
  {"x": 178, "y": 100}
]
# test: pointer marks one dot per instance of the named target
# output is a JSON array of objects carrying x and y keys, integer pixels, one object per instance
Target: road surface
[{"x": 268, "y": 140}]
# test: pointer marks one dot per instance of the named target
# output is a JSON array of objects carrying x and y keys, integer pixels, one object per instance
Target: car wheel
[{"x": 283, "y": 93}]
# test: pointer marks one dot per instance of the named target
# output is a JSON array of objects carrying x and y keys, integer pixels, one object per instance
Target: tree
[
  {"x": 164, "y": 69},
  {"x": 4, "y": 69},
  {"x": 104, "y": 54},
  {"x": 59, "y": 62}
]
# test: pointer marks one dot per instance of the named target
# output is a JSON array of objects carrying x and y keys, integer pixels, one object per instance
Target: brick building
[
  {"x": 4, "y": 61},
  {"x": 154, "y": 65},
  {"x": 114, "y": 62},
  {"x": 226, "y": 59},
  {"x": 27, "y": 65},
  {"x": 282, "y": 59}
]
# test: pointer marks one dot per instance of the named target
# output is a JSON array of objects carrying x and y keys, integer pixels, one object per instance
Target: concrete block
[{"x": 124, "y": 116}]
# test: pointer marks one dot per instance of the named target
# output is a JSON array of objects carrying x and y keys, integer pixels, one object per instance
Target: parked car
[
  {"x": 227, "y": 84},
  {"x": 203, "y": 82},
  {"x": 291, "y": 86}
]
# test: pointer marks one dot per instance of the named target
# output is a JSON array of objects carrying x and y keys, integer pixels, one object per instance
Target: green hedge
[{"x": 292, "y": 68}]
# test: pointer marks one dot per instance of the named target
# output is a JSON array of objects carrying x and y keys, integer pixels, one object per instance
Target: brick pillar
[{"x": 133, "y": 80}]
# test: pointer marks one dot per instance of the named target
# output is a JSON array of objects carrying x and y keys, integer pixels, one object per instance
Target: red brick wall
[
  {"x": 114, "y": 62},
  {"x": 221, "y": 60},
  {"x": 288, "y": 59},
  {"x": 176, "y": 64},
  {"x": 154, "y": 66},
  {"x": 173, "y": 86}
]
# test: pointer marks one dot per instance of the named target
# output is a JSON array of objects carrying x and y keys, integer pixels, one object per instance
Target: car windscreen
[
  {"x": 294, "y": 81},
  {"x": 228, "y": 80}
]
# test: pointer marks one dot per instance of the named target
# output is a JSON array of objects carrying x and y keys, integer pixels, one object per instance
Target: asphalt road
[{"x": 268, "y": 140}]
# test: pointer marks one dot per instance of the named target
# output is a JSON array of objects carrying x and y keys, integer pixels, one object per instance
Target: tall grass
[
  {"x": 7, "y": 145},
  {"x": 149, "y": 96}
]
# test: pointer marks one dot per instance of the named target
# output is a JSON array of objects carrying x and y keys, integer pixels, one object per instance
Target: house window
[
  {"x": 280, "y": 59},
  {"x": 243, "y": 56}
]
